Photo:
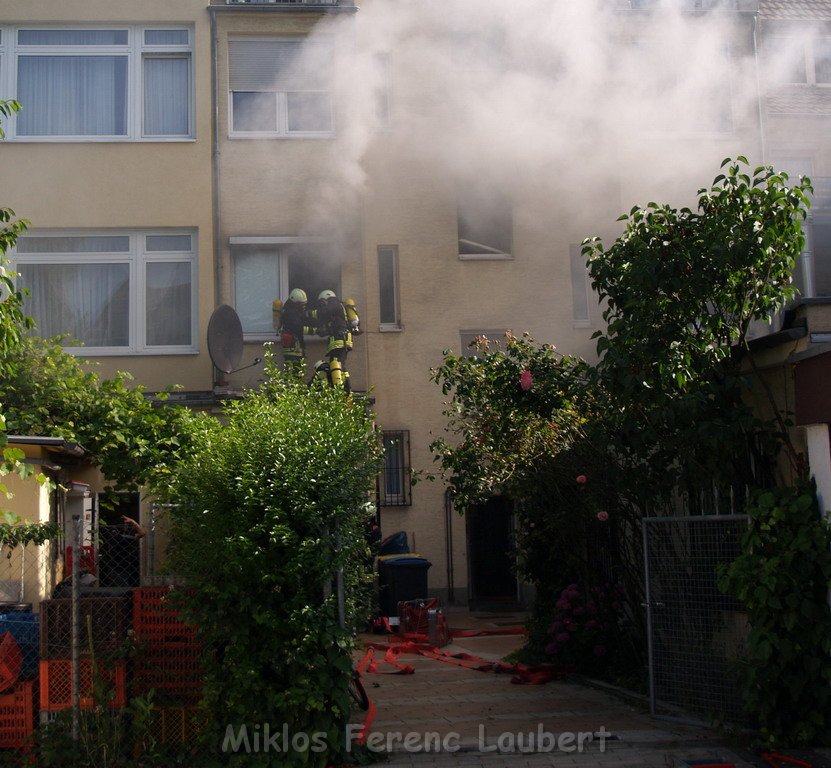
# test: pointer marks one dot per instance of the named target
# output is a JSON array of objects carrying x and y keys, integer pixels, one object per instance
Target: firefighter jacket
[
  {"x": 292, "y": 329},
  {"x": 333, "y": 322}
]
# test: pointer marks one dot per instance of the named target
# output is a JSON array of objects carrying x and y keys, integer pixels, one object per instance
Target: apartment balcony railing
[
  {"x": 288, "y": 2},
  {"x": 690, "y": 5}
]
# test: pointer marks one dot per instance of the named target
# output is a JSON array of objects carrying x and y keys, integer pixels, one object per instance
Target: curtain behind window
[
  {"x": 72, "y": 95},
  {"x": 91, "y": 302},
  {"x": 168, "y": 300},
  {"x": 166, "y": 86}
]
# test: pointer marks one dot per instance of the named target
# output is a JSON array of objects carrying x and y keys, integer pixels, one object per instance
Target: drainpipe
[
  {"x": 217, "y": 229},
  {"x": 216, "y": 376},
  {"x": 759, "y": 103}
]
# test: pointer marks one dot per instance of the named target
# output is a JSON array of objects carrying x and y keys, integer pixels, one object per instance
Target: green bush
[
  {"x": 783, "y": 578},
  {"x": 271, "y": 502}
]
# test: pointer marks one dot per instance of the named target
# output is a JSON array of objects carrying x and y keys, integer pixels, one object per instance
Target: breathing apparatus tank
[
  {"x": 276, "y": 314},
  {"x": 352, "y": 316}
]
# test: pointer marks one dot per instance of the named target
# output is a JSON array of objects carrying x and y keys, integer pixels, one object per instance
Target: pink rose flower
[
  {"x": 600, "y": 650},
  {"x": 526, "y": 380},
  {"x": 581, "y": 479},
  {"x": 563, "y": 637},
  {"x": 552, "y": 648},
  {"x": 603, "y": 516}
]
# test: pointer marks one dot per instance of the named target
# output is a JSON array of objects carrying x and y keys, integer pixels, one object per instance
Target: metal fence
[
  {"x": 90, "y": 652},
  {"x": 696, "y": 634}
]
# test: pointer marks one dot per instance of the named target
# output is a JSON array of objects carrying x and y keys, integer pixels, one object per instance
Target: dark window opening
[
  {"x": 485, "y": 222},
  {"x": 394, "y": 480}
]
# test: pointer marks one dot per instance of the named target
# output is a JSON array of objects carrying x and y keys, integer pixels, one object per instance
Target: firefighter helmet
[
  {"x": 298, "y": 295},
  {"x": 326, "y": 295}
]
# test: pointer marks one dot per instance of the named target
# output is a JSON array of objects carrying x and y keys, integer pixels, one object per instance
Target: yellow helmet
[{"x": 298, "y": 295}]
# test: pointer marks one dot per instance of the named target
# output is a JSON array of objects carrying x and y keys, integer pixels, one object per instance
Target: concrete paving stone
[{"x": 446, "y": 698}]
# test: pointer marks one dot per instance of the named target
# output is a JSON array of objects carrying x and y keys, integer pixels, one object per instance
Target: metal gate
[{"x": 696, "y": 634}]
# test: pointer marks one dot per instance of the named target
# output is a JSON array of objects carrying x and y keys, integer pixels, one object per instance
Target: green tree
[
  {"x": 682, "y": 288},
  {"x": 270, "y": 503},
  {"x": 585, "y": 451}
]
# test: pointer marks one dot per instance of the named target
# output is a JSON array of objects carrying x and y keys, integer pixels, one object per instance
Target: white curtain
[
  {"x": 256, "y": 285},
  {"x": 168, "y": 303},
  {"x": 72, "y": 95},
  {"x": 166, "y": 86},
  {"x": 91, "y": 302}
]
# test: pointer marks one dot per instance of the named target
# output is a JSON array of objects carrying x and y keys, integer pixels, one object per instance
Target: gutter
[
  {"x": 773, "y": 340},
  {"x": 57, "y": 443}
]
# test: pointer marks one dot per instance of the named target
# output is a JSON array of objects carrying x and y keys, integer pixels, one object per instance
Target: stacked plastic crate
[
  {"x": 17, "y": 717},
  {"x": 104, "y": 625},
  {"x": 168, "y": 663}
]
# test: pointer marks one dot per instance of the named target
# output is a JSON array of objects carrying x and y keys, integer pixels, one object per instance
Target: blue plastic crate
[{"x": 25, "y": 630}]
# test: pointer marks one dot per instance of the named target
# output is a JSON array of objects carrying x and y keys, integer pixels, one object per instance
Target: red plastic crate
[
  {"x": 56, "y": 683},
  {"x": 87, "y": 559},
  {"x": 11, "y": 660},
  {"x": 17, "y": 715},
  {"x": 153, "y": 618},
  {"x": 172, "y": 669}
]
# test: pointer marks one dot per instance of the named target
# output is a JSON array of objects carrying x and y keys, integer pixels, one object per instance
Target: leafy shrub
[
  {"x": 271, "y": 503},
  {"x": 783, "y": 578}
]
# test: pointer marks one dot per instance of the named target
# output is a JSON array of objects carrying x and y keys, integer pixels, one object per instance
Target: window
[
  {"x": 485, "y": 222},
  {"x": 496, "y": 339},
  {"x": 579, "y": 288},
  {"x": 125, "y": 83},
  {"x": 267, "y": 268},
  {"x": 394, "y": 482},
  {"x": 672, "y": 66},
  {"x": 280, "y": 87},
  {"x": 388, "y": 287},
  {"x": 798, "y": 59},
  {"x": 115, "y": 292},
  {"x": 382, "y": 90}
]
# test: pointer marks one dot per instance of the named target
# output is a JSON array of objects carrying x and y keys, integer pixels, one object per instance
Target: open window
[
  {"x": 267, "y": 268},
  {"x": 485, "y": 223}
]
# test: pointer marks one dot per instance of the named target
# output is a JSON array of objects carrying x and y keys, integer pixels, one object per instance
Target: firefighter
[
  {"x": 323, "y": 373},
  {"x": 290, "y": 320},
  {"x": 337, "y": 321}
]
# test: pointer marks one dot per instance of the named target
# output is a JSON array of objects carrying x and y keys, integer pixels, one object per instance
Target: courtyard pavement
[{"x": 455, "y": 716}]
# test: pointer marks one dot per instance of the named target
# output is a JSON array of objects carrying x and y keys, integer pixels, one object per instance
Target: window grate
[{"x": 393, "y": 488}]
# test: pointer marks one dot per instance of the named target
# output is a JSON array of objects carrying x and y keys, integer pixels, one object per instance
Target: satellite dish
[{"x": 225, "y": 338}]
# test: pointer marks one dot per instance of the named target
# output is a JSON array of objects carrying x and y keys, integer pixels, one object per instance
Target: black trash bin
[{"x": 402, "y": 577}]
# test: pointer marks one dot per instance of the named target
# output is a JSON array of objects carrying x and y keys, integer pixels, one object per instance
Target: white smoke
[{"x": 569, "y": 99}]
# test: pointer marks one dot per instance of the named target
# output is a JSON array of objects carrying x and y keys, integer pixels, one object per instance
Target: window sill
[
  {"x": 486, "y": 257},
  {"x": 390, "y": 328},
  {"x": 100, "y": 140},
  {"x": 127, "y": 352},
  {"x": 581, "y": 324}
]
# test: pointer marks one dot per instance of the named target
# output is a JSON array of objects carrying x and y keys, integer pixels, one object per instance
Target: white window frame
[
  {"x": 138, "y": 257},
  {"x": 135, "y": 51},
  {"x": 808, "y": 42},
  {"x": 282, "y": 117},
  {"x": 278, "y": 244}
]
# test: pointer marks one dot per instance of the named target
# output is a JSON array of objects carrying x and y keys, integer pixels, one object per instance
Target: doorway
[
  {"x": 119, "y": 549},
  {"x": 491, "y": 548}
]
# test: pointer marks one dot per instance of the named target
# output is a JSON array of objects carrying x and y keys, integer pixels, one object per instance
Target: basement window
[{"x": 394, "y": 481}]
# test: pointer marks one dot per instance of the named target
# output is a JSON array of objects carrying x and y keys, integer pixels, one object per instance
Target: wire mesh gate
[{"x": 696, "y": 634}]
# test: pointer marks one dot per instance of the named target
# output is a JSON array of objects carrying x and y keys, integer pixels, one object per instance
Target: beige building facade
[{"x": 440, "y": 165}]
